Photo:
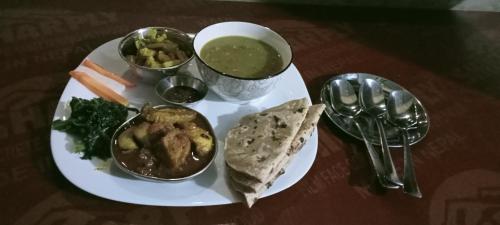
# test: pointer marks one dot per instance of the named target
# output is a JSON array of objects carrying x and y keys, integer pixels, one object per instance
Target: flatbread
[
  {"x": 307, "y": 127},
  {"x": 249, "y": 184},
  {"x": 251, "y": 187},
  {"x": 252, "y": 196},
  {"x": 260, "y": 141}
]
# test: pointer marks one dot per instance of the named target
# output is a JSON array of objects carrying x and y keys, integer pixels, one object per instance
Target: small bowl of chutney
[{"x": 181, "y": 89}]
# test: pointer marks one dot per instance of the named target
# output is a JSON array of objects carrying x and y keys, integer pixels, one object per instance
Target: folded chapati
[
  {"x": 307, "y": 127},
  {"x": 250, "y": 176},
  {"x": 261, "y": 140}
]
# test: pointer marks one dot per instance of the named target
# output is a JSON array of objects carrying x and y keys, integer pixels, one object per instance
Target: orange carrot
[
  {"x": 107, "y": 73},
  {"x": 98, "y": 88}
]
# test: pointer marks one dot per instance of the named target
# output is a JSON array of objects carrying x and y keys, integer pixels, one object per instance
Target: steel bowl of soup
[{"x": 241, "y": 61}]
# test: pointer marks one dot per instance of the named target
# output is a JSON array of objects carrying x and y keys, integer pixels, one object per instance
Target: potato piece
[
  {"x": 170, "y": 63},
  {"x": 161, "y": 37},
  {"x": 140, "y": 133},
  {"x": 151, "y": 62},
  {"x": 126, "y": 141},
  {"x": 139, "y": 44},
  {"x": 146, "y": 52},
  {"x": 200, "y": 137}
]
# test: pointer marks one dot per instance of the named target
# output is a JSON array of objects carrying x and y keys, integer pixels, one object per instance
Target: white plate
[{"x": 209, "y": 188}]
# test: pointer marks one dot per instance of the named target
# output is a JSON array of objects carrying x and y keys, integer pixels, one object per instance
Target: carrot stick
[
  {"x": 98, "y": 88},
  {"x": 107, "y": 73}
]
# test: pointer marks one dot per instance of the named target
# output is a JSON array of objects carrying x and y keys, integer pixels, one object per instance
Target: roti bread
[
  {"x": 261, "y": 140},
  {"x": 250, "y": 186},
  {"x": 307, "y": 127}
]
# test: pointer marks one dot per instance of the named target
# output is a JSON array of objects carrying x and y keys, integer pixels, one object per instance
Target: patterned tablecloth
[{"x": 449, "y": 60}]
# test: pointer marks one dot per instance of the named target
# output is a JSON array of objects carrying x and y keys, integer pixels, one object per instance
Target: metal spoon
[
  {"x": 345, "y": 102},
  {"x": 402, "y": 112},
  {"x": 372, "y": 101}
]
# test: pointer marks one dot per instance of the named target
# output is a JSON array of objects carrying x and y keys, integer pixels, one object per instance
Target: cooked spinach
[{"x": 92, "y": 122}]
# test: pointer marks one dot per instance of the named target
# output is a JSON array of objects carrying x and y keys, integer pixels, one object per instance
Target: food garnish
[
  {"x": 260, "y": 147},
  {"x": 165, "y": 143},
  {"x": 98, "y": 88},
  {"x": 99, "y": 69},
  {"x": 155, "y": 50},
  {"x": 92, "y": 123}
]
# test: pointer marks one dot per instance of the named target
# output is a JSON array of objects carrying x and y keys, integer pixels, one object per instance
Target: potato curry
[{"x": 165, "y": 143}]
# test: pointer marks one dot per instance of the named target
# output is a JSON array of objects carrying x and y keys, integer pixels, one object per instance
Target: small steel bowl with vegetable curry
[
  {"x": 156, "y": 52},
  {"x": 164, "y": 143}
]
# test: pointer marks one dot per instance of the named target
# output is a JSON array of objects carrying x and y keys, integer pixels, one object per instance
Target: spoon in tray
[
  {"x": 402, "y": 113},
  {"x": 372, "y": 101},
  {"x": 344, "y": 101}
]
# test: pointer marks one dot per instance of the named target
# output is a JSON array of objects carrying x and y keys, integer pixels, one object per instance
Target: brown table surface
[{"x": 449, "y": 60}]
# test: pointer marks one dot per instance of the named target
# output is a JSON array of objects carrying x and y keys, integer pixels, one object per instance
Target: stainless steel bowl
[
  {"x": 230, "y": 87},
  {"x": 153, "y": 75},
  {"x": 138, "y": 118},
  {"x": 165, "y": 87}
]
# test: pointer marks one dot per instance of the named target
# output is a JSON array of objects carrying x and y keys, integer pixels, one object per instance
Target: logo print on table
[{"x": 468, "y": 198}]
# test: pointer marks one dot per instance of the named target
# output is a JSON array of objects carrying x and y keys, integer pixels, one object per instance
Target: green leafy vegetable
[{"x": 92, "y": 122}]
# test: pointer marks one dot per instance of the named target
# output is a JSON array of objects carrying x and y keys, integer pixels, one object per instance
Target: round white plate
[{"x": 104, "y": 179}]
